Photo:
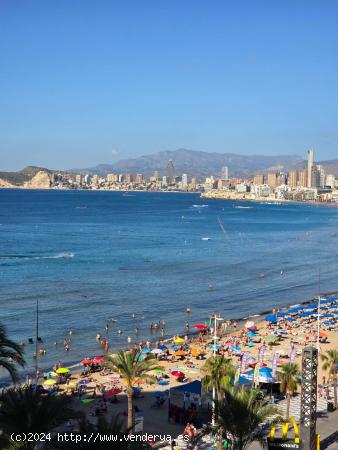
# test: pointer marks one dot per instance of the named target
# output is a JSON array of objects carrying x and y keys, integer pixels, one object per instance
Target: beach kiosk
[{"x": 185, "y": 404}]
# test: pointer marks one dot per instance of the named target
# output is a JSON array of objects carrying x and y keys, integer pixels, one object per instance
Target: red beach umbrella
[
  {"x": 112, "y": 392},
  {"x": 177, "y": 373},
  {"x": 200, "y": 326},
  {"x": 86, "y": 362},
  {"x": 98, "y": 359}
]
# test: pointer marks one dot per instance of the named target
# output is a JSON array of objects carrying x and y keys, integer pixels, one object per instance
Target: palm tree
[
  {"x": 218, "y": 372},
  {"x": 330, "y": 360},
  {"x": 240, "y": 414},
  {"x": 26, "y": 410},
  {"x": 130, "y": 365},
  {"x": 289, "y": 376},
  {"x": 10, "y": 353}
]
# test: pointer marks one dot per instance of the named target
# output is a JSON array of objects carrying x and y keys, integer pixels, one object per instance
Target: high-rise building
[
  {"x": 303, "y": 178},
  {"x": 309, "y": 167},
  {"x": 156, "y": 174},
  {"x": 272, "y": 180},
  {"x": 293, "y": 178},
  {"x": 138, "y": 178},
  {"x": 330, "y": 181},
  {"x": 259, "y": 179},
  {"x": 127, "y": 178},
  {"x": 184, "y": 179},
  {"x": 170, "y": 171},
  {"x": 193, "y": 183},
  {"x": 317, "y": 176},
  {"x": 225, "y": 173},
  {"x": 164, "y": 180}
]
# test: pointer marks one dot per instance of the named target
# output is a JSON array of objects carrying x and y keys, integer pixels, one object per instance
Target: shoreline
[{"x": 257, "y": 318}]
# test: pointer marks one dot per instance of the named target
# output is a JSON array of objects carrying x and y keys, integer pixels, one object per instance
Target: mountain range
[
  {"x": 202, "y": 164},
  {"x": 193, "y": 163}
]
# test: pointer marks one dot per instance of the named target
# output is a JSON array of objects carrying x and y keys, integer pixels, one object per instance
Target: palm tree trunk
[
  {"x": 288, "y": 400},
  {"x": 130, "y": 411}
]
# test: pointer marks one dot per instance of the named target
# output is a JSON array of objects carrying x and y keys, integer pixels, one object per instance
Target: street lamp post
[{"x": 216, "y": 318}]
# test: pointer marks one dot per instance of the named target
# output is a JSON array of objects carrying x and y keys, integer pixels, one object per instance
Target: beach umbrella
[
  {"x": 281, "y": 314},
  {"x": 311, "y": 306},
  {"x": 180, "y": 353},
  {"x": 251, "y": 344},
  {"x": 156, "y": 351},
  {"x": 251, "y": 334},
  {"x": 83, "y": 382},
  {"x": 146, "y": 350},
  {"x": 178, "y": 340},
  {"x": 214, "y": 347},
  {"x": 51, "y": 374},
  {"x": 86, "y": 362},
  {"x": 200, "y": 326},
  {"x": 305, "y": 314},
  {"x": 195, "y": 351},
  {"x": 174, "y": 347},
  {"x": 163, "y": 382},
  {"x": 236, "y": 348},
  {"x": 249, "y": 324},
  {"x": 290, "y": 319},
  {"x": 295, "y": 309},
  {"x": 327, "y": 315},
  {"x": 162, "y": 347},
  {"x": 49, "y": 382},
  {"x": 98, "y": 359},
  {"x": 271, "y": 338},
  {"x": 87, "y": 401},
  {"x": 62, "y": 370},
  {"x": 177, "y": 374},
  {"x": 271, "y": 318},
  {"x": 159, "y": 370},
  {"x": 329, "y": 322},
  {"x": 112, "y": 392},
  {"x": 322, "y": 334}
]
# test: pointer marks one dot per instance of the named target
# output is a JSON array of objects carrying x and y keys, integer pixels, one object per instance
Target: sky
[{"x": 88, "y": 82}]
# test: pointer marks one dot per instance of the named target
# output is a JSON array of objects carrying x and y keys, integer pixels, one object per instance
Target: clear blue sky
[{"x": 81, "y": 80}]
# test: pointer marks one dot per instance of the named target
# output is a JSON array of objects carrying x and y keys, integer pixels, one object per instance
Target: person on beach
[
  {"x": 98, "y": 337},
  {"x": 151, "y": 327}
]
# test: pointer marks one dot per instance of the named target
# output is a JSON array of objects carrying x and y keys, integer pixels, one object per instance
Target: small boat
[{"x": 206, "y": 238}]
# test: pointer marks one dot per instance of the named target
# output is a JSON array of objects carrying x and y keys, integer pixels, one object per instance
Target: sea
[{"x": 88, "y": 257}]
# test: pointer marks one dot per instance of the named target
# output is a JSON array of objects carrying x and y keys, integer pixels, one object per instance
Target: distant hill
[
  {"x": 198, "y": 163},
  {"x": 22, "y": 176}
]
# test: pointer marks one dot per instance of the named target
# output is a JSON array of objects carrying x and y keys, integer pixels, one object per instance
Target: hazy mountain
[{"x": 198, "y": 163}]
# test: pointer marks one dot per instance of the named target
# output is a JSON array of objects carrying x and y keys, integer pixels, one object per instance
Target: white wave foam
[
  {"x": 200, "y": 206},
  {"x": 243, "y": 207},
  {"x": 64, "y": 255}
]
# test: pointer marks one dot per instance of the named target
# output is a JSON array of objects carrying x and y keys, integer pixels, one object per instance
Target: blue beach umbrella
[
  {"x": 311, "y": 306},
  {"x": 215, "y": 347},
  {"x": 295, "y": 309},
  {"x": 305, "y": 314},
  {"x": 281, "y": 314},
  {"x": 290, "y": 319},
  {"x": 146, "y": 350},
  {"x": 327, "y": 315},
  {"x": 162, "y": 347},
  {"x": 235, "y": 348},
  {"x": 251, "y": 334},
  {"x": 174, "y": 347},
  {"x": 329, "y": 322},
  {"x": 271, "y": 318}
]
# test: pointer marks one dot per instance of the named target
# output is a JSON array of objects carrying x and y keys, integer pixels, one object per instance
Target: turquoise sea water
[{"x": 91, "y": 256}]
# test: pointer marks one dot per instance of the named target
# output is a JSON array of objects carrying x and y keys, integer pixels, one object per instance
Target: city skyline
[{"x": 83, "y": 85}]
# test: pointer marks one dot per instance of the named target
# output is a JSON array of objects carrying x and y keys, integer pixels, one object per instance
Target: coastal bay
[{"x": 91, "y": 256}]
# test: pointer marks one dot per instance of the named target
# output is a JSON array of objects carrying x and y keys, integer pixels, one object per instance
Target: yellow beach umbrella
[
  {"x": 49, "y": 382},
  {"x": 62, "y": 370},
  {"x": 178, "y": 340}
]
